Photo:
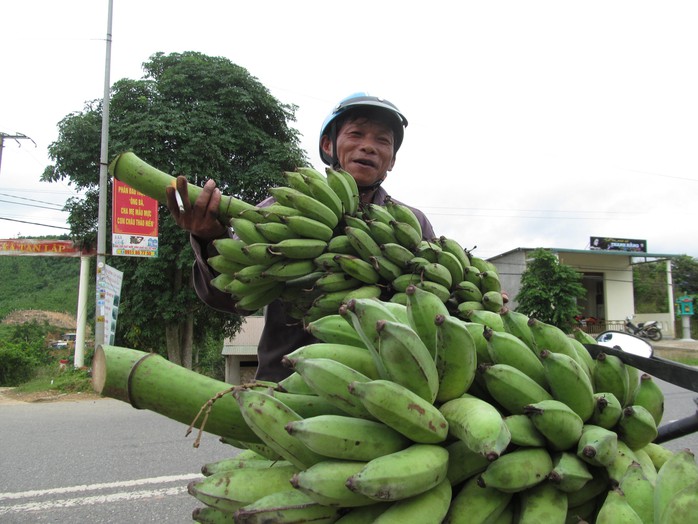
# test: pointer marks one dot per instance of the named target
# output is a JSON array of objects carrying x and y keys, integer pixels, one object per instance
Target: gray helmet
[{"x": 355, "y": 101}]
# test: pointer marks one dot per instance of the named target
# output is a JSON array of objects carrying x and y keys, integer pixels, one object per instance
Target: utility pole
[
  {"x": 102, "y": 209},
  {"x": 17, "y": 137}
]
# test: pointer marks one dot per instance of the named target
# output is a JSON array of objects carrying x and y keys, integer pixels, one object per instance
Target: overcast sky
[{"x": 531, "y": 123}]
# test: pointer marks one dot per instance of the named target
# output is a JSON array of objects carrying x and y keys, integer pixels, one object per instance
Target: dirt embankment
[{"x": 53, "y": 318}]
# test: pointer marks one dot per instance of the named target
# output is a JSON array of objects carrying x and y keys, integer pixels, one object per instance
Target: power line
[
  {"x": 30, "y": 199},
  {"x": 31, "y": 205},
  {"x": 33, "y": 223}
]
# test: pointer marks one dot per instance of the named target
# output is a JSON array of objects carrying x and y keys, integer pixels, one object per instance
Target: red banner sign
[
  {"x": 134, "y": 222},
  {"x": 48, "y": 248}
]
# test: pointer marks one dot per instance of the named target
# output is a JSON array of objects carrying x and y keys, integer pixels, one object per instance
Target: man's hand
[{"x": 201, "y": 219}]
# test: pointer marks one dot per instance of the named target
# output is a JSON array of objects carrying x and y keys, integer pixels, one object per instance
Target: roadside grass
[{"x": 65, "y": 381}]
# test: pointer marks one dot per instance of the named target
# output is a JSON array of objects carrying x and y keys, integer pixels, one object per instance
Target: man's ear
[
  {"x": 326, "y": 145},
  {"x": 392, "y": 163}
]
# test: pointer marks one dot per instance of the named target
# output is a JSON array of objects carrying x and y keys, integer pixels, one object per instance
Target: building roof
[{"x": 603, "y": 252}]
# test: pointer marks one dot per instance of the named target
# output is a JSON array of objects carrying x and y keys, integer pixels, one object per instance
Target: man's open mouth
[{"x": 365, "y": 162}]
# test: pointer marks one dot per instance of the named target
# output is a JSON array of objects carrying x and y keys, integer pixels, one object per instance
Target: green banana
[
  {"x": 472, "y": 274},
  {"x": 294, "y": 383},
  {"x": 682, "y": 508},
  {"x": 658, "y": 454},
  {"x": 557, "y": 422},
  {"x": 330, "y": 380},
  {"x": 306, "y": 227},
  {"x": 363, "y": 514},
  {"x": 597, "y": 446},
  {"x": 210, "y": 515},
  {"x": 450, "y": 262},
  {"x": 512, "y": 388},
  {"x": 224, "y": 265},
  {"x": 650, "y": 396},
  {"x": 516, "y": 323},
  {"x": 610, "y": 375},
  {"x": 615, "y": 509},
  {"x": 323, "y": 192},
  {"x": 478, "y": 424},
  {"x": 340, "y": 245},
  {"x": 569, "y": 383},
  {"x": 517, "y": 470},
  {"x": 232, "y": 489},
  {"x": 406, "y": 235},
  {"x": 285, "y": 507},
  {"x": 406, "y": 360},
  {"x": 428, "y": 250},
  {"x": 481, "y": 264},
  {"x": 363, "y": 242},
  {"x": 331, "y": 282},
  {"x": 299, "y": 248},
  {"x": 402, "y": 474},
  {"x": 311, "y": 172},
  {"x": 286, "y": 270},
  {"x": 463, "y": 463},
  {"x": 228, "y": 464},
  {"x": 582, "y": 336},
  {"x": 347, "y": 438},
  {"x": 402, "y": 410},
  {"x": 355, "y": 357},
  {"x": 358, "y": 268},
  {"x": 260, "y": 298},
  {"x": 486, "y": 318},
  {"x": 623, "y": 459},
  {"x": 636, "y": 427},
  {"x": 357, "y": 222},
  {"x": 435, "y": 288},
  {"x": 381, "y": 232},
  {"x": 387, "y": 269},
  {"x": 648, "y": 468},
  {"x": 569, "y": 473},
  {"x": 639, "y": 492},
  {"x": 307, "y": 205},
  {"x": 364, "y": 315},
  {"x": 505, "y": 348},
  {"x": 220, "y": 282},
  {"x": 335, "y": 329},
  {"x": 266, "y": 416},
  {"x": 402, "y": 213},
  {"x": 542, "y": 503},
  {"x": 397, "y": 253},
  {"x": 429, "y": 507},
  {"x": 493, "y": 301},
  {"x": 246, "y": 231},
  {"x": 376, "y": 212},
  {"x": 325, "y": 483},
  {"x": 453, "y": 247},
  {"x": 344, "y": 185},
  {"x": 401, "y": 283},
  {"x": 590, "y": 492},
  {"x": 422, "y": 308},
  {"x": 607, "y": 410},
  {"x": 232, "y": 249},
  {"x": 260, "y": 254},
  {"x": 476, "y": 505},
  {"x": 432, "y": 271},
  {"x": 455, "y": 356},
  {"x": 276, "y": 211},
  {"x": 295, "y": 180},
  {"x": 489, "y": 281},
  {"x": 466, "y": 291},
  {"x": 678, "y": 473},
  {"x": 553, "y": 339},
  {"x": 524, "y": 432}
]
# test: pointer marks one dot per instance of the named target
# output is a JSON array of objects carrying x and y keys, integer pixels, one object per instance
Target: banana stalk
[
  {"x": 149, "y": 381},
  {"x": 152, "y": 182}
]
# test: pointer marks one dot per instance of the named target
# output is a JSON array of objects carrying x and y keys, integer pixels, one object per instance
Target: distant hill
[{"x": 40, "y": 283}]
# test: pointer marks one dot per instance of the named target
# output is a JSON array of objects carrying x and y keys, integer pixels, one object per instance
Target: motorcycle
[{"x": 650, "y": 329}]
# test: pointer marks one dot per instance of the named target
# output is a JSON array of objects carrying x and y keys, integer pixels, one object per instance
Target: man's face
[{"x": 364, "y": 149}]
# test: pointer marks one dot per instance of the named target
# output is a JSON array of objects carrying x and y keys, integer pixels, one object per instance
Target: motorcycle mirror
[{"x": 625, "y": 342}]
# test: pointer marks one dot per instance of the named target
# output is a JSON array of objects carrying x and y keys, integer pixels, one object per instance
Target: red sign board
[
  {"x": 48, "y": 248},
  {"x": 134, "y": 222}
]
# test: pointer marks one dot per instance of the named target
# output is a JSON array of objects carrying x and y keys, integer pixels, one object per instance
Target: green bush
[{"x": 17, "y": 364}]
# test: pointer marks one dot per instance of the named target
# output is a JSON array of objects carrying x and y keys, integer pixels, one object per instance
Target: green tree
[
  {"x": 550, "y": 290},
  {"x": 684, "y": 270},
  {"x": 650, "y": 287},
  {"x": 191, "y": 114}
]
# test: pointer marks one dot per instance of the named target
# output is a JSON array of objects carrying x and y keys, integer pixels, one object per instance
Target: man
[{"x": 361, "y": 135}]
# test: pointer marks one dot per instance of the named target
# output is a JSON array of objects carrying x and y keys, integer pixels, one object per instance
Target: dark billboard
[{"x": 618, "y": 244}]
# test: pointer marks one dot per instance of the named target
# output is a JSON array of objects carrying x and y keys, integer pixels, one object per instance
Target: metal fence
[{"x": 603, "y": 325}]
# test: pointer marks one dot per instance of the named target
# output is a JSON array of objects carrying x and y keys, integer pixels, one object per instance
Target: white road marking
[{"x": 94, "y": 499}]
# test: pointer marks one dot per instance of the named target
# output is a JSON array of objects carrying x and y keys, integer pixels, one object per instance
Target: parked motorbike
[
  {"x": 650, "y": 330},
  {"x": 638, "y": 353}
]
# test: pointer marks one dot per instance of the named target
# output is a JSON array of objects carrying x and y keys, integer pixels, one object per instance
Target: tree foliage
[
  {"x": 650, "y": 287},
  {"x": 550, "y": 290},
  {"x": 684, "y": 270},
  {"x": 194, "y": 115}
]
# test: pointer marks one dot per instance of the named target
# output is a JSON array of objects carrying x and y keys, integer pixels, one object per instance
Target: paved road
[
  {"x": 103, "y": 461},
  {"x": 98, "y": 461}
]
